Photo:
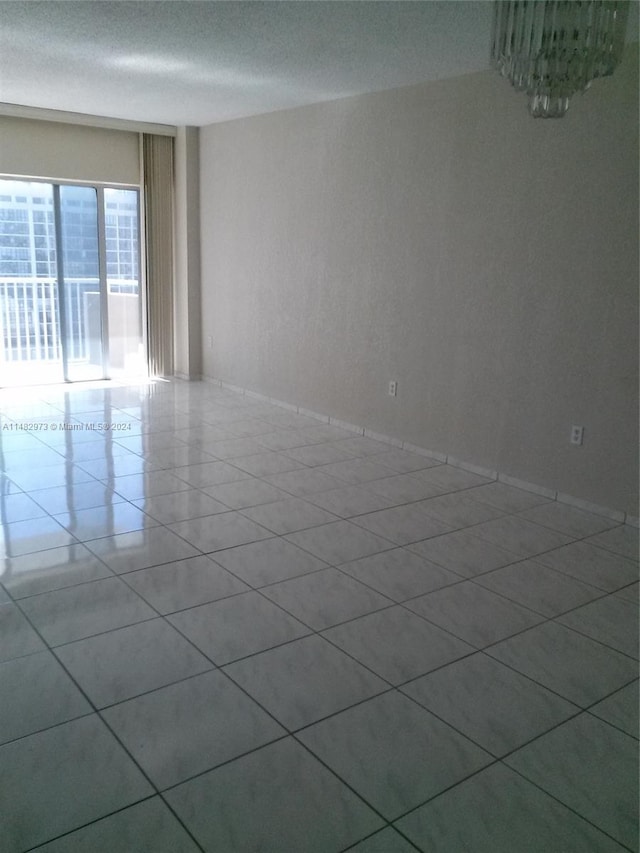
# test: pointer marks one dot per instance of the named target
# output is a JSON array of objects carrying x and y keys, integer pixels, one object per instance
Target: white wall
[
  {"x": 439, "y": 236},
  {"x": 47, "y": 149}
]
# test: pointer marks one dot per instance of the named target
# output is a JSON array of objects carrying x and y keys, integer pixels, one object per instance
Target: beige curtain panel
[{"x": 157, "y": 153}]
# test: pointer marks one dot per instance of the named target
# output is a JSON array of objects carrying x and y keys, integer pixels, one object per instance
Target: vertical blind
[{"x": 157, "y": 168}]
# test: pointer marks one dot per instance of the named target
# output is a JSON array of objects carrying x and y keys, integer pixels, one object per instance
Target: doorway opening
[{"x": 70, "y": 290}]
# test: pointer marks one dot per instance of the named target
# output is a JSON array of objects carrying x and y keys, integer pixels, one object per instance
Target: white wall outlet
[
  {"x": 393, "y": 388},
  {"x": 577, "y": 435},
  {"x": 209, "y": 342}
]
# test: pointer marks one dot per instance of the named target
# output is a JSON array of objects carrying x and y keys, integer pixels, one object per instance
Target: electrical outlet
[
  {"x": 577, "y": 435},
  {"x": 209, "y": 341},
  {"x": 393, "y": 388}
]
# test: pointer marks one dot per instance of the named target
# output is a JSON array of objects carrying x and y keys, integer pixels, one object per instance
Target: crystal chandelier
[{"x": 552, "y": 49}]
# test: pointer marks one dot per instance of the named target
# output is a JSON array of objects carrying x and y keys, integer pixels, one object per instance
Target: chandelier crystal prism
[{"x": 552, "y": 49}]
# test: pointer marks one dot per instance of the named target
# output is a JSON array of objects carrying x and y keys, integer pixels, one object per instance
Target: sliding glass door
[
  {"x": 81, "y": 292},
  {"x": 69, "y": 283},
  {"x": 31, "y": 348},
  {"x": 127, "y": 355}
]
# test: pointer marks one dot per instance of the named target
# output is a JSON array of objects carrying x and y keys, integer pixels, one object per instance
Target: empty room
[{"x": 319, "y": 426}]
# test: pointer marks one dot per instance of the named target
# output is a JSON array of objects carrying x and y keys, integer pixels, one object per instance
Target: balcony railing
[{"x": 30, "y": 317}]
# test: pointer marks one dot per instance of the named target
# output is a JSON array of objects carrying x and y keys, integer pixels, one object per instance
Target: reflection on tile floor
[{"x": 228, "y": 627}]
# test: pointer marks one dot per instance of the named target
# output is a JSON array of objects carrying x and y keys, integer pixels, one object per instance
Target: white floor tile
[
  {"x": 220, "y": 531},
  {"x": 464, "y": 553},
  {"x": 189, "y": 615},
  {"x": 457, "y": 510},
  {"x": 184, "y": 729},
  {"x": 621, "y": 540},
  {"x": 350, "y": 501},
  {"x": 522, "y": 537},
  {"x": 231, "y": 448},
  {"x": 527, "y": 820},
  {"x": 23, "y": 684},
  {"x": 149, "y": 825},
  {"x": 544, "y": 590},
  {"x": 610, "y": 620},
  {"x": 319, "y": 454},
  {"x": 387, "y": 841},
  {"x": 304, "y": 481},
  {"x": 289, "y": 515},
  {"x": 183, "y": 584},
  {"x": 593, "y": 565},
  {"x": 219, "y": 629},
  {"x": 181, "y": 506},
  {"x": 267, "y": 462},
  {"x": 21, "y": 507},
  {"x": 209, "y": 474},
  {"x": 325, "y": 598},
  {"x": 121, "y": 664},
  {"x": 358, "y": 471},
  {"x": 476, "y": 615},
  {"x": 305, "y": 680},
  {"x": 450, "y": 478},
  {"x": 580, "y": 669},
  {"x": 505, "y": 498},
  {"x": 48, "y": 781},
  {"x": 18, "y": 637},
  {"x": 402, "y": 524},
  {"x": 403, "y": 461},
  {"x": 393, "y": 753},
  {"x": 397, "y": 645},
  {"x": 268, "y": 561},
  {"x": 137, "y": 486},
  {"x": 246, "y": 493},
  {"x": 567, "y": 519},
  {"x": 100, "y": 521},
  {"x": 81, "y": 496},
  {"x": 36, "y": 534},
  {"x": 496, "y": 707},
  {"x": 52, "y": 569},
  {"x": 399, "y": 574},
  {"x": 339, "y": 542},
  {"x": 620, "y": 709},
  {"x": 273, "y": 800},
  {"x": 86, "y": 609},
  {"x": 403, "y": 488},
  {"x": 141, "y": 549},
  {"x": 567, "y": 761}
]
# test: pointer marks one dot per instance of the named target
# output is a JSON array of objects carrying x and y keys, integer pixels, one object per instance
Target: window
[{"x": 79, "y": 327}]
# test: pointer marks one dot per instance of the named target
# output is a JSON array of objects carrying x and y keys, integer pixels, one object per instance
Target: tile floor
[{"x": 225, "y": 626}]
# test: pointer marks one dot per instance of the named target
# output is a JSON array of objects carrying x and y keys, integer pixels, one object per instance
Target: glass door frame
[
  {"x": 99, "y": 187},
  {"x": 104, "y": 287}
]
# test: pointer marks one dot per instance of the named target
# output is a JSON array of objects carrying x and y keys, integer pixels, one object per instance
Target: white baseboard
[
  {"x": 536, "y": 488},
  {"x": 378, "y": 436},
  {"x": 432, "y": 454},
  {"x": 186, "y": 377},
  {"x": 315, "y": 415},
  {"x": 344, "y": 425},
  {"x": 474, "y": 469},
  {"x": 578, "y": 503}
]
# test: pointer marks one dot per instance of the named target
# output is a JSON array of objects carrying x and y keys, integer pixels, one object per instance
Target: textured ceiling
[{"x": 196, "y": 63}]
